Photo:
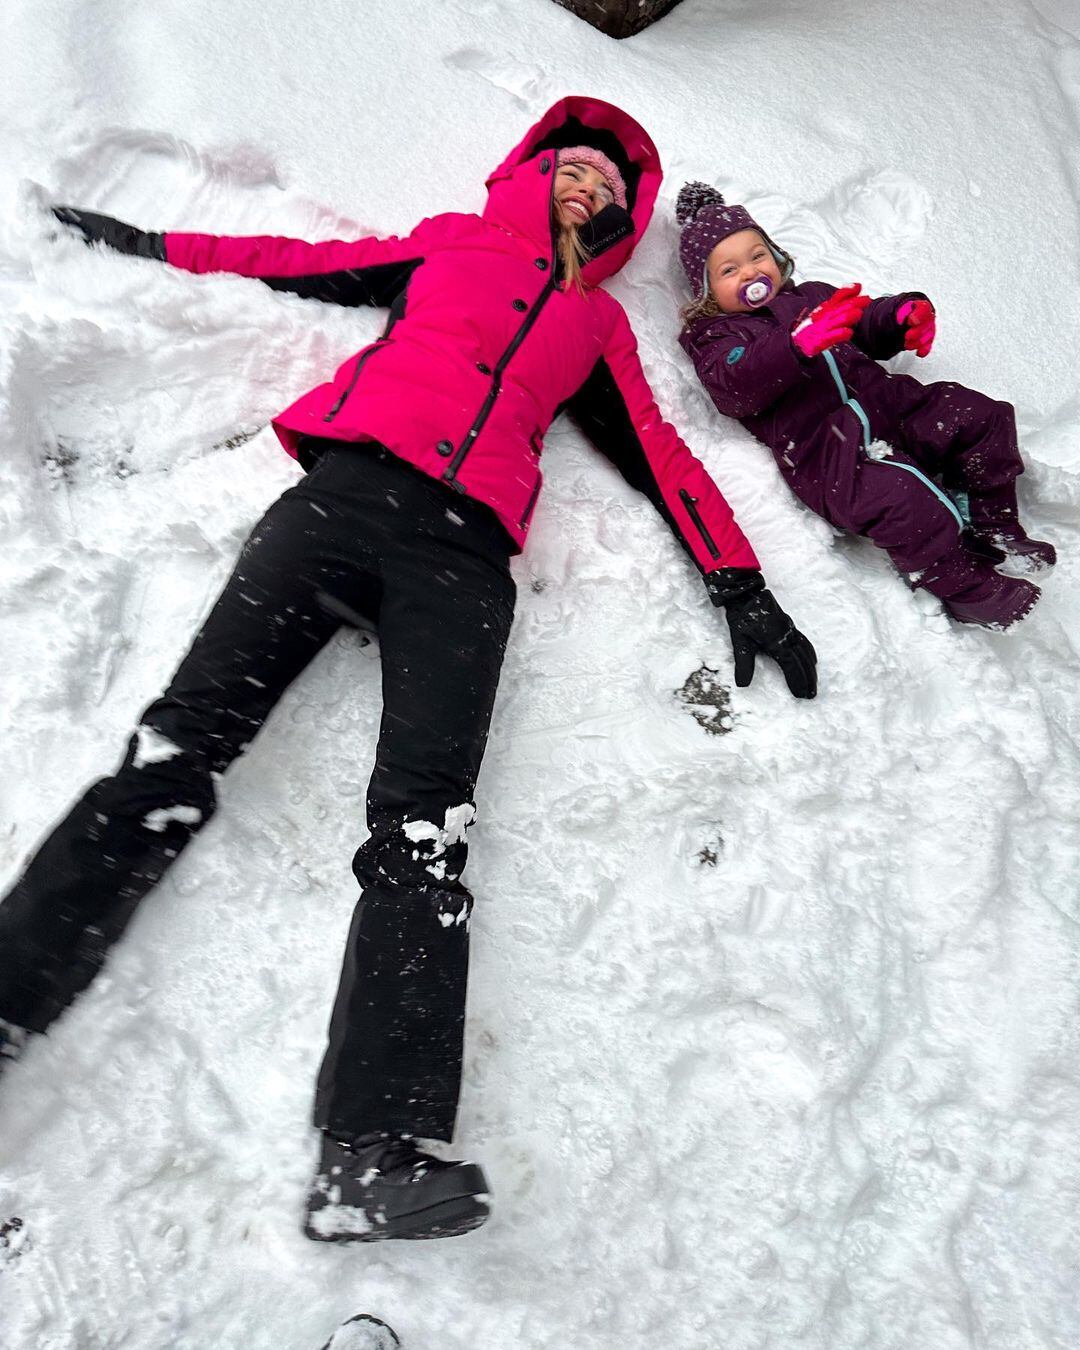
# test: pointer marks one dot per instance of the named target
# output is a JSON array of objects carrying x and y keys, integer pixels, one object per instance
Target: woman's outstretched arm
[
  {"x": 368, "y": 271},
  {"x": 615, "y": 408}
]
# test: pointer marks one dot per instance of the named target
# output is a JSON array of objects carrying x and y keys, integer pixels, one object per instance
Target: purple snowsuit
[{"x": 821, "y": 417}]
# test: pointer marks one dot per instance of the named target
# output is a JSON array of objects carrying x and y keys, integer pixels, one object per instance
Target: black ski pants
[{"x": 363, "y": 535}]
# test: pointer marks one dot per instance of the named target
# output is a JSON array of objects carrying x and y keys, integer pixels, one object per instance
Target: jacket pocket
[
  {"x": 526, "y": 515},
  {"x": 695, "y": 515},
  {"x": 362, "y": 361}
]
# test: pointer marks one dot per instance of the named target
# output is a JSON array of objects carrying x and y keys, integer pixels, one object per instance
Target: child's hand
[
  {"x": 831, "y": 322},
  {"x": 917, "y": 316}
]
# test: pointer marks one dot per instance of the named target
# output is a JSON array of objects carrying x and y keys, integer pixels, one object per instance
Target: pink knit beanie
[{"x": 596, "y": 159}]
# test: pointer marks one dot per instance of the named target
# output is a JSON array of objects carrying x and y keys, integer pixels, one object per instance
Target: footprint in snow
[
  {"x": 707, "y": 700},
  {"x": 14, "y": 1240}
]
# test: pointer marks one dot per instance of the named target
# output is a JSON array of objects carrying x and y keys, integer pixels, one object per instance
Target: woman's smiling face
[{"x": 580, "y": 191}]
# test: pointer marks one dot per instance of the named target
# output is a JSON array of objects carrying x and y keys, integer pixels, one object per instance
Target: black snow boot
[
  {"x": 363, "y": 1332},
  {"x": 382, "y": 1186}
]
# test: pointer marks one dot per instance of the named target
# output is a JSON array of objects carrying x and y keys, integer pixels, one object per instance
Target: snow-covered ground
[{"x": 773, "y": 1031}]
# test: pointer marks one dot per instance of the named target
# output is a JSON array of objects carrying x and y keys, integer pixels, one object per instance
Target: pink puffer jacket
[{"x": 486, "y": 345}]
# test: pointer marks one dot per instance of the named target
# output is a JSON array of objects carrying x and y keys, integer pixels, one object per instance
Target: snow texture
[
  {"x": 159, "y": 819},
  {"x": 336, "y": 1218},
  {"x": 151, "y": 747},
  {"x": 773, "y": 1036}
]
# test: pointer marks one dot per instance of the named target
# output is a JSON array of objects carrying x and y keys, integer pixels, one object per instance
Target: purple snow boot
[
  {"x": 995, "y": 522},
  {"x": 972, "y": 592}
]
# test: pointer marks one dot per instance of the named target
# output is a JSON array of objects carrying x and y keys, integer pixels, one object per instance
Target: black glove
[
  {"x": 97, "y": 229},
  {"x": 758, "y": 623}
]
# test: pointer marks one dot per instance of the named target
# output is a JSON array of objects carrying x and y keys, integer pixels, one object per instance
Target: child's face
[{"x": 736, "y": 260}]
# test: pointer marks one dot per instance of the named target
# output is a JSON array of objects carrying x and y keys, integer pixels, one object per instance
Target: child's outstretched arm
[
  {"x": 892, "y": 323},
  {"x": 368, "y": 271}
]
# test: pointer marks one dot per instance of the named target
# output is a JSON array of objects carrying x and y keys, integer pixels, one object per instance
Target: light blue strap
[
  {"x": 941, "y": 496},
  {"x": 856, "y": 407},
  {"x": 846, "y": 398}
]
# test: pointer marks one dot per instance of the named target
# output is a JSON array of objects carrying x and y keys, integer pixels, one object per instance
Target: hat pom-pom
[{"x": 693, "y": 198}]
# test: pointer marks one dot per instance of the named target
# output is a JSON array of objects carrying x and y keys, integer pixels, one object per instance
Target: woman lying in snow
[
  {"x": 797, "y": 365},
  {"x": 423, "y": 460}
]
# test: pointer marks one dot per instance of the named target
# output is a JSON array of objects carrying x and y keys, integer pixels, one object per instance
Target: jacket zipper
[
  {"x": 691, "y": 508},
  {"x": 329, "y": 417},
  {"x": 496, "y": 383},
  {"x": 532, "y": 503},
  {"x": 450, "y": 475}
]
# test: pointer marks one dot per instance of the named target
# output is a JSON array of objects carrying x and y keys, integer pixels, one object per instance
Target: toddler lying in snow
[{"x": 797, "y": 365}]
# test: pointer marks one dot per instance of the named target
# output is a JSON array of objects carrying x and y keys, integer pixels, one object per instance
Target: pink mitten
[
  {"x": 831, "y": 322},
  {"x": 917, "y": 316}
]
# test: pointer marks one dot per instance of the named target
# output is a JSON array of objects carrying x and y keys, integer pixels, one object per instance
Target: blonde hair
[
  {"x": 704, "y": 307},
  {"x": 574, "y": 257},
  {"x": 572, "y": 252}
]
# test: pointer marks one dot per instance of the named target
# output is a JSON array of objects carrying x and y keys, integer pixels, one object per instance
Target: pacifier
[{"x": 755, "y": 292}]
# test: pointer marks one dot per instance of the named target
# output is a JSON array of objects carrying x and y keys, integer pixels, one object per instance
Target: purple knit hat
[
  {"x": 706, "y": 219},
  {"x": 596, "y": 159}
]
